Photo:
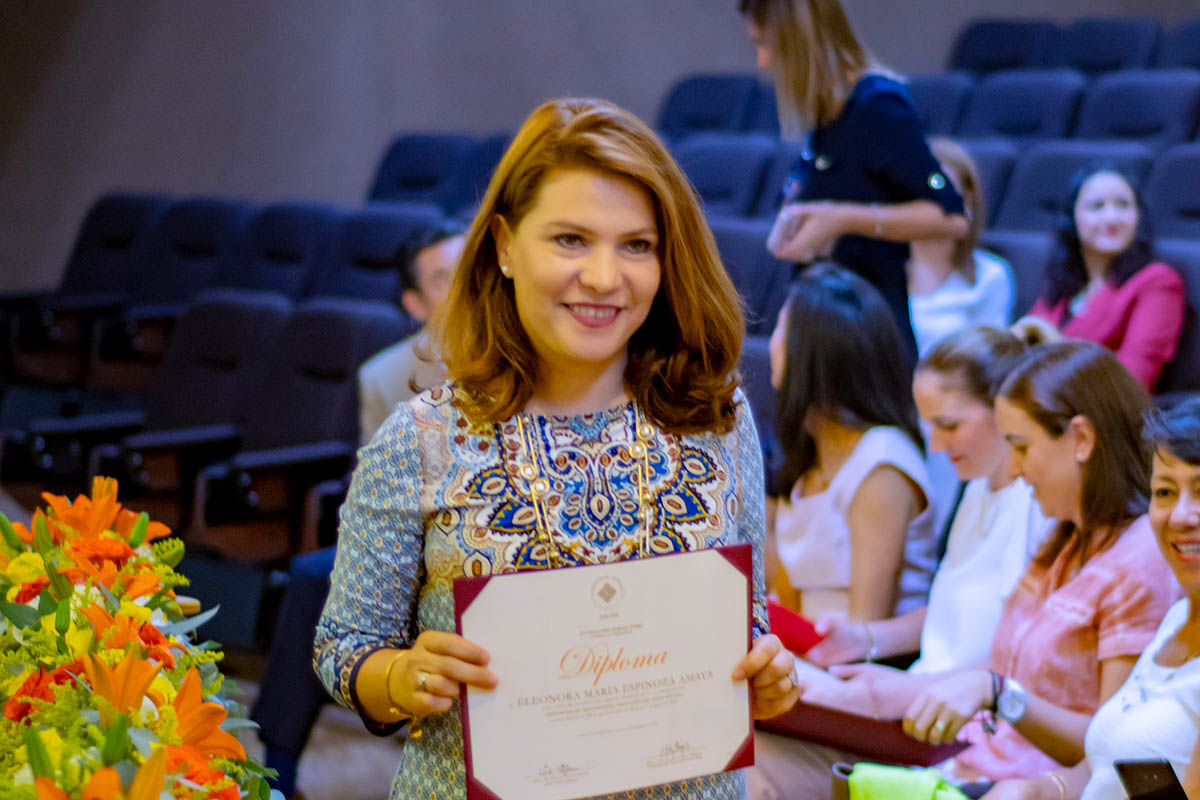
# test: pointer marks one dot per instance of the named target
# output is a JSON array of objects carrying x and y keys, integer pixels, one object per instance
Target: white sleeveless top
[
  {"x": 992, "y": 538},
  {"x": 813, "y": 539}
]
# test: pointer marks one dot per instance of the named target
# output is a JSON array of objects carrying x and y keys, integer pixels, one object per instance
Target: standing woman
[
  {"x": 866, "y": 184},
  {"x": 1104, "y": 284},
  {"x": 593, "y": 415}
]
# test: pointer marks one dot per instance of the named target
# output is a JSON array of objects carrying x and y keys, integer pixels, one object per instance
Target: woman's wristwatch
[{"x": 1011, "y": 701}]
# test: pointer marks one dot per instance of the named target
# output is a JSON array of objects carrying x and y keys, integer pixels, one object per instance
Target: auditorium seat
[
  {"x": 770, "y": 191},
  {"x": 1037, "y": 190},
  {"x": 488, "y": 152},
  {"x": 300, "y": 427},
  {"x": 1183, "y": 373},
  {"x": 426, "y": 168},
  {"x": 1158, "y": 107},
  {"x": 1182, "y": 47},
  {"x": 991, "y": 45},
  {"x": 760, "y": 278},
  {"x": 185, "y": 251},
  {"x": 995, "y": 158},
  {"x": 360, "y": 261},
  {"x": 47, "y": 334},
  {"x": 940, "y": 100},
  {"x": 279, "y": 249},
  {"x": 706, "y": 104},
  {"x": 764, "y": 115},
  {"x": 1023, "y": 105},
  {"x": 726, "y": 169},
  {"x": 756, "y": 384},
  {"x": 1172, "y": 199},
  {"x": 208, "y": 373},
  {"x": 1094, "y": 45},
  {"x": 1027, "y": 252}
]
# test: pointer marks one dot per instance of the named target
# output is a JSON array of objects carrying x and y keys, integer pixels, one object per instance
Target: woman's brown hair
[
  {"x": 816, "y": 55},
  {"x": 978, "y": 357},
  {"x": 964, "y": 174},
  {"x": 682, "y": 362},
  {"x": 1057, "y": 382}
]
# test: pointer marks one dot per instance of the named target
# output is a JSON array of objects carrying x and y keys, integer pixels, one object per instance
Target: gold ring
[{"x": 421, "y": 678}]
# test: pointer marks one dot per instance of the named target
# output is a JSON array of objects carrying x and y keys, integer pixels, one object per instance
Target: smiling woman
[
  {"x": 1104, "y": 283},
  {"x": 591, "y": 336}
]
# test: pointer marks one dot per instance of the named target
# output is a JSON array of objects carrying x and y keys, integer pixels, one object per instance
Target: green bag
[{"x": 879, "y": 782}]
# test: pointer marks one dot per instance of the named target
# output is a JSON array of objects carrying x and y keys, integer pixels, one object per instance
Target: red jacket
[{"x": 1138, "y": 320}]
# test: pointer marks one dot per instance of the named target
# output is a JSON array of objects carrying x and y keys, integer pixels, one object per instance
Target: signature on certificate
[
  {"x": 676, "y": 748},
  {"x": 559, "y": 773}
]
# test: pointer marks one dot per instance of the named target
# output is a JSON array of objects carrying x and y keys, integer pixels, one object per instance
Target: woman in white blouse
[
  {"x": 1156, "y": 713},
  {"x": 996, "y": 528},
  {"x": 951, "y": 282}
]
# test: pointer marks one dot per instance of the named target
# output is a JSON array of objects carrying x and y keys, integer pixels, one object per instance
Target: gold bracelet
[
  {"x": 393, "y": 709},
  {"x": 414, "y": 722},
  {"x": 1060, "y": 782}
]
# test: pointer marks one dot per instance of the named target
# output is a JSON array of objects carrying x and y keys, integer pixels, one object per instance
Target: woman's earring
[
  {"x": 504, "y": 269},
  {"x": 1079, "y": 457}
]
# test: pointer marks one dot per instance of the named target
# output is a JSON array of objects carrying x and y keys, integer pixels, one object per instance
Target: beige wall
[{"x": 272, "y": 99}]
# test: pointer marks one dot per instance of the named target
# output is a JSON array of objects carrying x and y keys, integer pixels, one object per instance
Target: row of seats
[
  {"x": 1090, "y": 44},
  {"x": 137, "y": 259},
  {"x": 1158, "y": 107},
  {"x": 743, "y": 176}
]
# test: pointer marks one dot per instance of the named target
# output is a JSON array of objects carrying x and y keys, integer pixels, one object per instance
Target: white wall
[{"x": 271, "y": 99}]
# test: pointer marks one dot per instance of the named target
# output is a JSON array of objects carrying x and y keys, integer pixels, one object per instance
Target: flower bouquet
[{"x": 105, "y": 696}]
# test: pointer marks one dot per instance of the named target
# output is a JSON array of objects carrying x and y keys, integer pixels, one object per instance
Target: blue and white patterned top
[{"x": 436, "y": 497}]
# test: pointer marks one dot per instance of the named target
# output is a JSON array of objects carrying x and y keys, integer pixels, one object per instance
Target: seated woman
[
  {"x": 997, "y": 527},
  {"x": 951, "y": 282},
  {"x": 853, "y": 528},
  {"x": 1103, "y": 283},
  {"x": 1156, "y": 713},
  {"x": 1087, "y": 605}
]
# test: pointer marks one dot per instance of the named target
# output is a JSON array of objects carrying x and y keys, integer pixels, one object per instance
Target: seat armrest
[
  {"x": 194, "y": 436},
  {"x": 108, "y": 426}
]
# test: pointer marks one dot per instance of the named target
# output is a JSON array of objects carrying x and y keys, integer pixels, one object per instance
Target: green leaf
[
  {"x": 235, "y": 724},
  {"x": 209, "y": 674},
  {"x": 60, "y": 587},
  {"x": 110, "y": 603},
  {"x": 21, "y": 615},
  {"x": 39, "y": 759},
  {"x": 9, "y": 534},
  {"x": 183, "y": 626},
  {"x": 41, "y": 535},
  {"x": 62, "y": 617},
  {"x": 46, "y": 603},
  {"x": 138, "y": 534},
  {"x": 116, "y": 741},
  {"x": 144, "y": 739}
]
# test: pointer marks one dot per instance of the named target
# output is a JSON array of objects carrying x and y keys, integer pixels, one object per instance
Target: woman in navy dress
[{"x": 866, "y": 184}]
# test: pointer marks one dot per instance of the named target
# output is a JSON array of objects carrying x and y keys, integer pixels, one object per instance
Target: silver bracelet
[
  {"x": 1060, "y": 782},
  {"x": 872, "y": 645}
]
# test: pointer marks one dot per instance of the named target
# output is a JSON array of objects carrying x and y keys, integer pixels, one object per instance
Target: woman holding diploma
[{"x": 593, "y": 415}]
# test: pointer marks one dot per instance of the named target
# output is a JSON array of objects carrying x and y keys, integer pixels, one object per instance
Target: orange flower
[
  {"x": 48, "y": 790},
  {"x": 88, "y": 517},
  {"x": 126, "y": 519},
  {"x": 124, "y": 685},
  {"x": 57, "y": 534},
  {"x": 117, "y": 634},
  {"x": 91, "y": 562},
  {"x": 199, "y": 722},
  {"x": 30, "y": 590},
  {"x": 105, "y": 784},
  {"x": 39, "y": 686},
  {"x": 195, "y": 768}
]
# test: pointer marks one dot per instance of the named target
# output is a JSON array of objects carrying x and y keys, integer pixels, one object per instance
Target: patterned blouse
[{"x": 436, "y": 497}]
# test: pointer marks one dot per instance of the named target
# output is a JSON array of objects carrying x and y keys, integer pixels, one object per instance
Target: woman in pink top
[
  {"x": 1104, "y": 284},
  {"x": 1090, "y": 601}
]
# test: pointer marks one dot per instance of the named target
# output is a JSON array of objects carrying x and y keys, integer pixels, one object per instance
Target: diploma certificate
[{"x": 612, "y": 677}]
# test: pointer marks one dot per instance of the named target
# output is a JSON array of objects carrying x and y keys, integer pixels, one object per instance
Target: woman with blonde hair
[
  {"x": 866, "y": 184},
  {"x": 590, "y": 329},
  {"x": 952, "y": 283}
]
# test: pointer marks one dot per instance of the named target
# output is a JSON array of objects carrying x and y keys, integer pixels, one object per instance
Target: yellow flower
[
  {"x": 134, "y": 611},
  {"x": 25, "y": 568}
]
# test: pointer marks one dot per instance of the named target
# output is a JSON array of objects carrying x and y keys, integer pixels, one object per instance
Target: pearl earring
[
  {"x": 1079, "y": 457},
  {"x": 504, "y": 269}
]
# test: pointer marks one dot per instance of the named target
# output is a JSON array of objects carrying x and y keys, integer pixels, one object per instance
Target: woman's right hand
[
  {"x": 429, "y": 676},
  {"x": 844, "y": 641},
  {"x": 1016, "y": 789}
]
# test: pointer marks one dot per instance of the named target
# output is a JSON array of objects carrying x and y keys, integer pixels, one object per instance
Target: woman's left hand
[
  {"x": 939, "y": 712},
  {"x": 804, "y": 231},
  {"x": 768, "y": 667}
]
